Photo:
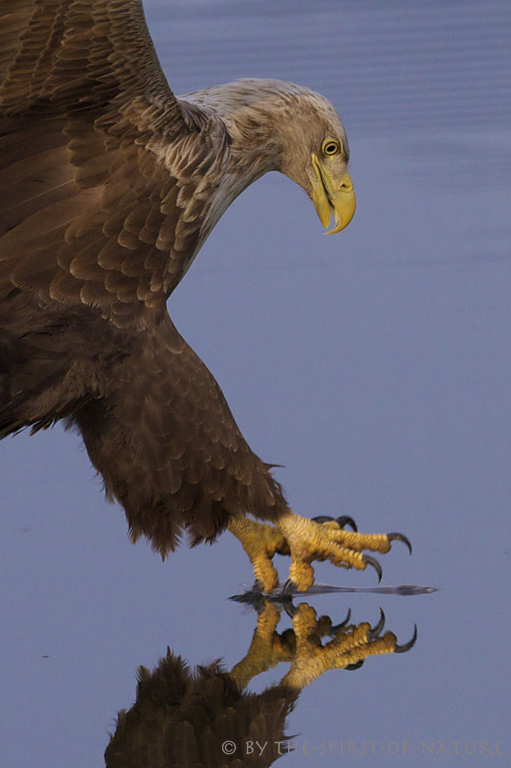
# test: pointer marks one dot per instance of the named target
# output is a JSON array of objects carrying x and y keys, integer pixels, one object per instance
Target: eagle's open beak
[{"x": 332, "y": 197}]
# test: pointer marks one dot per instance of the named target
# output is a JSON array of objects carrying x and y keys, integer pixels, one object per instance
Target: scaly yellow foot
[{"x": 305, "y": 541}]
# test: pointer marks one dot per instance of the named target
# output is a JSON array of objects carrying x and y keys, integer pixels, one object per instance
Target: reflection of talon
[
  {"x": 348, "y": 649},
  {"x": 378, "y": 628},
  {"x": 343, "y": 624},
  {"x": 188, "y": 716},
  {"x": 308, "y": 540},
  {"x": 406, "y": 647},
  {"x": 357, "y": 665},
  {"x": 267, "y": 649}
]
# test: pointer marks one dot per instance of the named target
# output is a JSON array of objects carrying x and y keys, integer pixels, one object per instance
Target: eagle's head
[{"x": 278, "y": 126}]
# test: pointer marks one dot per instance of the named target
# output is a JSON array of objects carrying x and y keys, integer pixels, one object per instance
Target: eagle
[{"x": 109, "y": 186}]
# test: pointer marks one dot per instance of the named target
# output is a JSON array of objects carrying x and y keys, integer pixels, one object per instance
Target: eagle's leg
[
  {"x": 305, "y": 541},
  {"x": 260, "y": 541},
  {"x": 349, "y": 647}
]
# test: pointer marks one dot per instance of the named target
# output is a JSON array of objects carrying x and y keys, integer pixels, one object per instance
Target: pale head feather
[{"x": 273, "y": 125}]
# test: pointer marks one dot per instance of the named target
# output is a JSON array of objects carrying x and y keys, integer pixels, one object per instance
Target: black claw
[
  {"x": 400, "y": 537},
  {"x": 343, "y": 624},
  {"x": 341, "y": 521},
  {"x": 288, "y": 588},
  {"x": 345, "y": 520},
  {"x": 406, "y": 647},
  {"x": 375, "y": 631},
  {"x": 357, "y": 665},
  {"x": 368, "y": 560}
]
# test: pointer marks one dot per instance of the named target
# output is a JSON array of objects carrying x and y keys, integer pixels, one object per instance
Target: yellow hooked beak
[{"x": 332, "y": 197}]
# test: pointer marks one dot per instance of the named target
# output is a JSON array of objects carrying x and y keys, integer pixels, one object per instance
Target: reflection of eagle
[
  {"x": 109, "y": 185},
  {"x": 207, "y": 717}
]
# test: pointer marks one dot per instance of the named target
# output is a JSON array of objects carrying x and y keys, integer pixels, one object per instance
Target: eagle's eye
[{"x": 331, "y": 147}]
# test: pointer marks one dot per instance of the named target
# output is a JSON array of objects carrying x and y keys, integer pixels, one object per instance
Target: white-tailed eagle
[{"x": 109, "y": 186}]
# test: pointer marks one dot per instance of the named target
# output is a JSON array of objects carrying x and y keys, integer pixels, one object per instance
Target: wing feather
[
  {"x": 98, "y": 162},
  {"x": 104, "y": 184},
  {"x": 166, "y": 440},
  {"x": 63, "y": 50}
]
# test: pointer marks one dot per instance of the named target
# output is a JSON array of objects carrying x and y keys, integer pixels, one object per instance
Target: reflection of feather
[{"x": 182, "y": 719}]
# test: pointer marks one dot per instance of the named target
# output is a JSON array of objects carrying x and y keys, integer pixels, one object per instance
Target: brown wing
[
  {"x": 65, "y": 51},
  {"x": 169, "y": 449},
  {"x": 104, "y": 183},
  {"x": 98, "y": 162}
]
